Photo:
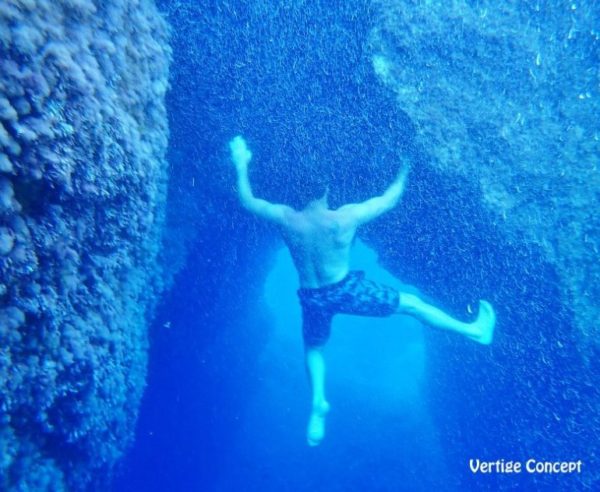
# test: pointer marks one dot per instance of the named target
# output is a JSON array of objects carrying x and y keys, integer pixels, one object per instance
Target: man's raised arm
[
  {"x": 361, "y": 213},
  {"x": 241, "y": 156}
]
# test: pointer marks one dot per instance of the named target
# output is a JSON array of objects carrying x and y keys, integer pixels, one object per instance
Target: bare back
[
  {"x": 318, "y": 238},
  {"x": 319, "y": 241}
]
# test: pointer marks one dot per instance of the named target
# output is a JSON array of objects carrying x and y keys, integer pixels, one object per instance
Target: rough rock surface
[
  {"x": 83, "y": 133},
  {"x": 507, "y": 96}
]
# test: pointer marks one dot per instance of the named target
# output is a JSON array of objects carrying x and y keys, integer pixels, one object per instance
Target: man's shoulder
[{"x": 292, "y": 221}]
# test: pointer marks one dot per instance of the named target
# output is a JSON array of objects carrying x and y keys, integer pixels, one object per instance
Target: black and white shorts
[{"x": 351, "y": 295}]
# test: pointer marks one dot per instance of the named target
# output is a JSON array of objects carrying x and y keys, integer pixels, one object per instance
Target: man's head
[{"x": 307, "y": 188}]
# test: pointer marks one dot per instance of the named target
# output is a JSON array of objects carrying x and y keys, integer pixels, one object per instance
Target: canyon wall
[{"x": 83, "y": 136}]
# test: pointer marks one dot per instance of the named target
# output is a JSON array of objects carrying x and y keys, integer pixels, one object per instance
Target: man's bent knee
[
  {"x": 409, "y": 303},
  {"x": 310, "y": 347}
]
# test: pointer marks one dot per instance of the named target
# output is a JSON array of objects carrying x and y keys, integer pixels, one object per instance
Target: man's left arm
[
  {"x": 361, "y": 213},
  {"x": 241, "y": 157}
]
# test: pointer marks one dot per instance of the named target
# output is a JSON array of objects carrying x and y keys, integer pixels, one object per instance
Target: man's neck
[{"x": 317, "y": 206}]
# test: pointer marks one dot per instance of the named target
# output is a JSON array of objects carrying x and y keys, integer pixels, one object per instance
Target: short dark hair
[
  {"x": 307, "y": 183},
  {"x": 290, "y": 182}
]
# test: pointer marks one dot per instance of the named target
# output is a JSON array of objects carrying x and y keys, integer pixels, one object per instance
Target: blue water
[
  {"x": 495, "y": 109},
  {"x": 248, "y": 433}
]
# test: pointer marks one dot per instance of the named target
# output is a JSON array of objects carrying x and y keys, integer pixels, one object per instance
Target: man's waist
[{"x": 325, "y": 287}]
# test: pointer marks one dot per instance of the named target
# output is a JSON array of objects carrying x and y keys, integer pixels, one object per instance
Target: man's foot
[
  {"x": 485, "y": 323},
  {"x": 316, "y": 424}
]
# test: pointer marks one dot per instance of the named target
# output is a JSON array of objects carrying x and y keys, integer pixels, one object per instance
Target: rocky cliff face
[
  {"x": 507, "y": 97},
  {"x": 83, "y": 133}
]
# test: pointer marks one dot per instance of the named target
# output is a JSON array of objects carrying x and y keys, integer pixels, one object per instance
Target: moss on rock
[{"x": 83, "y": 134}]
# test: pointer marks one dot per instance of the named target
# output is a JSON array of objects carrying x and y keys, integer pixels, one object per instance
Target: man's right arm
[
  {"x": 241, "y": 156},
  {"x": 361, "y": 213}
]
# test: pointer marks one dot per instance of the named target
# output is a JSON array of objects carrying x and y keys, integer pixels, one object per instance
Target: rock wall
[
  {"x": 83, "y": 134},
  {"x": 507, "y": 97}
]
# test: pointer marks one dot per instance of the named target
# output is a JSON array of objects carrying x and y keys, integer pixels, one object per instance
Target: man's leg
[
  {"x": 481, "y": 330},
  {"x": 315, "y": 366}
]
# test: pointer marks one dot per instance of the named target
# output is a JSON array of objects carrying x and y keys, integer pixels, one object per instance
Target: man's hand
[
  {"x": 241, "y": 156},
  {"x": 240, "y": 153}
]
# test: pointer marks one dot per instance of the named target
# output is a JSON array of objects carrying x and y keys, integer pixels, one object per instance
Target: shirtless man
[{"x": 320, "y": 240}]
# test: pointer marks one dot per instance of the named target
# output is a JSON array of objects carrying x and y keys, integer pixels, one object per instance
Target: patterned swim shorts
[{"x": 351, "y": 295}]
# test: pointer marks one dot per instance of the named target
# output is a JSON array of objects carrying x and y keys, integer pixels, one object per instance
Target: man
[{"x": 320, "y": 240}]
